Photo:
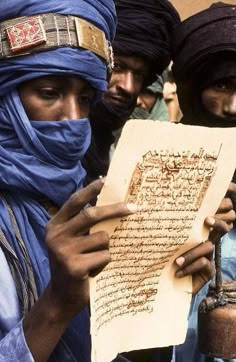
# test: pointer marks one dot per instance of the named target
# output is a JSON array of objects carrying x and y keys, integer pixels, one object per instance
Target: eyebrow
[{"x": 142, "y": 68}]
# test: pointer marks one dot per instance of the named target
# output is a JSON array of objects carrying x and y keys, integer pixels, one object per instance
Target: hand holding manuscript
[{"x": 176, "y": 175}]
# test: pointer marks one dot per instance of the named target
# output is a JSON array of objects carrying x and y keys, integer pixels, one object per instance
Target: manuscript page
[{"x": 176, "y": 175}]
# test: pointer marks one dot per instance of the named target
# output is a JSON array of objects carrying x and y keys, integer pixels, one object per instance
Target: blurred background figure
[
  {"x": 171, "y": 97},
  {"x": 159, "y": 101},
  {"x": 151, "y": 103}
]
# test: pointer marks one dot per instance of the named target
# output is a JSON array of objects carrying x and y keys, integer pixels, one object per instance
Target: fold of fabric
[
  {"x": 41, "y": 160},
  {"x": 38, "y": 160}
]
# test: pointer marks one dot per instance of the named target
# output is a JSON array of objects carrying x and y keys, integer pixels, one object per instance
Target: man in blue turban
[{"x": 54, "y": 59}]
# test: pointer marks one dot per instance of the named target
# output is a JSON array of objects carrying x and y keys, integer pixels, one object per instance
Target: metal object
[
  {"x": 28, "y": 34},
  {"x": 217, "y": 316},
  {"x": 92, "y": 38}
]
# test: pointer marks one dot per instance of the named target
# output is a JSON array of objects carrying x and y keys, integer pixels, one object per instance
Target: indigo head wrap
[
  {"x": 62, "y": 60},
  {"x": 204, "y": 51},
  {"x": 41, "y": 160},
  {"x": 34, "y": 139},
  {"x": 144, "y": 29}
]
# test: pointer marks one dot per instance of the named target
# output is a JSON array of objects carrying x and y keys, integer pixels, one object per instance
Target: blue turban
[
  {"x": 80, "y": 62},
  {"x": 42, "y": 159}
]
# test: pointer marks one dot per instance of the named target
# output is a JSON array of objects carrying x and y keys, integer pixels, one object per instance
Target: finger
[
  {"x": 93, "y": 242},
  {"x": 225, "y": 205},
  {"x": 77, "y": 202},
  {"x": 81, "y": 245},
  {"x": 219, "y": 228},
  {"x": 228, "y": 216},
  {"x": 97, "y": 271},
  {"x": 199, "y": 265},
  {"x": 203, "y": 249},
  {"x": 202, "y": 278},
  {"x": 90, "y": 216},
  {"x": 94, "y": 262}
]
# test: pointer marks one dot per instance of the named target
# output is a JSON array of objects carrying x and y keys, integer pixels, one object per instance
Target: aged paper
[{"x": 176, "y": 175}]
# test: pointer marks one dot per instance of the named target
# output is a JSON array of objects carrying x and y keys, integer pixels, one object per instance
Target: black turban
[
  {"x": 200, "y": 39},
  {"x": 144, "y": 29},
  {"x": 204, "y": 51}
]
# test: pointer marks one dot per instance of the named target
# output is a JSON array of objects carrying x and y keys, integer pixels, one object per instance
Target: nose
[
  {"x": 127, "y": 83},
  {"x": 229, "y": 105},
  {"x": 139, "y": 102},
  {"x": 71, "y": 109}
]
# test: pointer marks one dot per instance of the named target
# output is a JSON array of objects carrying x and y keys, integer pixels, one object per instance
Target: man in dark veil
[
  {"x": 204, "y": 51},
  {"x": 141, "y": 51},
  {"x": 204, "y": 55}
]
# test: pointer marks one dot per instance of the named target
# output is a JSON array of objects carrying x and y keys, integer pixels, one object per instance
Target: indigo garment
[{"x": 40, "y": 160}]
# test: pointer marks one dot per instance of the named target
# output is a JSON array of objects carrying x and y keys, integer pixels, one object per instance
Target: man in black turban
[
  {"x": 204, "y": 56},
  {"x": 204, "y": 52},
  {"x": 141, "y": 50}
]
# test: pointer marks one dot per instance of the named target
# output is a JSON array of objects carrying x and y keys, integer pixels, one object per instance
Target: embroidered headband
[{"x": 29, "y": 34}]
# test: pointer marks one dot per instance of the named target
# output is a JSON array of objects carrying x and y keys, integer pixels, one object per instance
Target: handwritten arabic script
[{"x": 168, "y": 187}]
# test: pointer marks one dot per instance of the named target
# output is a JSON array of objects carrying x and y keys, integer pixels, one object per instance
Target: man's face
[
  {"x": 127, "y": 80},
  {"x": 56, "y": 98},
  {"x": 219, "y": 100},
  {"x": 146, "y": 100}
]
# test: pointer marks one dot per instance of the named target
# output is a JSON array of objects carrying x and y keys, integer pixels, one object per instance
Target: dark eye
[
  {"x": 86, "y": 99},
  {"x": 140, "y": 76},
  {"x": 48, "y": 93},
  {"x": 117, "y": 67},
  {"x": 225, "y": 85},
  {"x": 221, "y": 85}
]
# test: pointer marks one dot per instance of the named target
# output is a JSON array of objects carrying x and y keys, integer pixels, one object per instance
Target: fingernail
[
  {"x": 132, "y": 207},
  {"x": 180, "y": 261},
  {"x": 211, "y": 221},
  {"x": 102, "y": 178}
]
